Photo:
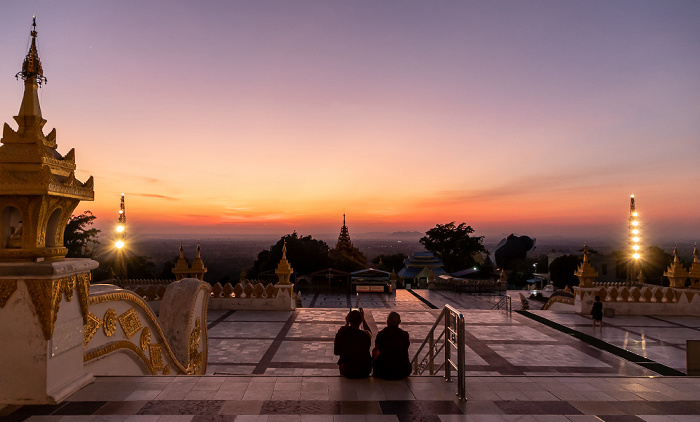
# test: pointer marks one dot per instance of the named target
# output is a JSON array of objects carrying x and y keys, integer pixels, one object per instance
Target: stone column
[{"x": 43, "y": 309}]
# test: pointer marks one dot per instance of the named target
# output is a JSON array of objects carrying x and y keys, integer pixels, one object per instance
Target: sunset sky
[{"x": 238, "y": 117}]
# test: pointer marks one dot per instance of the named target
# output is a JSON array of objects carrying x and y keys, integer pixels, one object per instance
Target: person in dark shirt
[
  {"x": 352, "y": 345},
  {"x": 597, "y": 313},
  {"x": 391, "y": 351}
]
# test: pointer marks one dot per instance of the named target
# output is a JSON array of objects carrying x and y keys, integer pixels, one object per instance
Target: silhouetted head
[
  {"x": 597, "y": 298},
  {"x": 355, "y": 318},
  {"x": 393, "y": 319}
]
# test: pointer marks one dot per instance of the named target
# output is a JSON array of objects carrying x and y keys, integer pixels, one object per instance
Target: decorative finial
[
  {"x": 182, "y": 251},
  {"x": 695, "y": 253},
  {"x": 585, "y": 252},
  {"x": 31, "y": 68},
  {"x": 284, "y": 250},
  {"x": 198, "y": 250},
  {"x": 675, "y": 254},
  {"x": 343, "y": 218}
]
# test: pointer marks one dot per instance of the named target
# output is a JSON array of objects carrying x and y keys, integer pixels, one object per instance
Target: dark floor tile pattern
[
  {"x": 537, "y": 408},
  {"x": 405, "y": 410}
]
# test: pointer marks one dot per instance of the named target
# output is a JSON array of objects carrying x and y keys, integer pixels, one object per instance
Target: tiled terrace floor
[{"x": 279, "y": 366}]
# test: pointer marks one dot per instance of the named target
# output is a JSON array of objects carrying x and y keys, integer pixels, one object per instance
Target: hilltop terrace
[{"x": 279, "y": 366}]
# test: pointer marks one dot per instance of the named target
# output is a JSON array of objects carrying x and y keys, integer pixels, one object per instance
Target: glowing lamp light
[
  {"x": 119, "y": 244},
  {"x": 635, "y": 231},
  {"x": 121, "y": 212},
  {"x": 635, "y": 239},
  {"x": 634, "y": 214},
  {"x": 635, "y": 223},
  {"x": 120, "y": 228},
  {"x": 636, "y": 256},
  {"x": 635, "y": 247}
]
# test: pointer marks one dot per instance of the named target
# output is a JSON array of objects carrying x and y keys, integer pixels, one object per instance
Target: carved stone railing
[
  {"x": 644, "y": 300},
  {"x": 253, "y": 296},
  {"x": 123, "y": 336}
]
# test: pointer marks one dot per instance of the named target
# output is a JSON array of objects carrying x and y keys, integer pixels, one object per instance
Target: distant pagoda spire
[{"x": 344, "y": 241}]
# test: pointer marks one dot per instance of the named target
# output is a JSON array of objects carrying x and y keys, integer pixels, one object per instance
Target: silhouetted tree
[
  {"x": 453, "y": 245},
  {"x": 80, "y": 237},
  {"x": 562, "y": 269}
]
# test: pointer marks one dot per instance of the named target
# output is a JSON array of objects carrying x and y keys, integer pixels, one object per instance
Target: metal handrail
[
  {"x": 505, "y": 304},
  {"x": 451, "y": 337}
]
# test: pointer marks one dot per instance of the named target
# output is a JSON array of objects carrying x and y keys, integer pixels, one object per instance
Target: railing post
[
  {"x": 448, "y": 369},
  {"x": 431, "y": 353},
  {"x": 461, "y": 360}
]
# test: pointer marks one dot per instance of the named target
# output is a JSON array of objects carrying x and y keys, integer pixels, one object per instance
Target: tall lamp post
[
  {"x": 121, "y": 242},
  {"x": 634, "y": 243}
]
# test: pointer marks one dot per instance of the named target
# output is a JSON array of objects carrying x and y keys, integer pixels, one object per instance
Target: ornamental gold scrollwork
[
  {"x": 7, "y": 287},
  {"x": 130, "y": 322},
  {"x": 119, "y": 345},
  {"x": 110, "y": 324},
  {"x": 195, "y": 357},
  {"x": 83, "y": 288},
  {"x": 166, "y": 370},
  {"x": 145, "y": 338},
  {"x": 156, "y": 357},
  {"x": 90, "y": 328},
  {"x": 68, "y": 287}
]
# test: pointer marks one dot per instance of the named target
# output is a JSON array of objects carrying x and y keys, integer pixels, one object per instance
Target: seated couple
[{"x": 352, "y": 344}]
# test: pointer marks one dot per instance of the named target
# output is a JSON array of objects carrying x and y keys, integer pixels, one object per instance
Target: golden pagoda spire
[
  {"x": 585, "y": 272},
  {"x": 695, "y": 253},
  {"x": 284, "y": 269},
  {"x": 198, "y": 269},
  {"x": 675, "y": 272},
  {"x": 32, "y": 74}
]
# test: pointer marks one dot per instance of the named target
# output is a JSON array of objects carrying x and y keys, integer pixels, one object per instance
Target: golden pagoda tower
[
  {"x": 43, "y": 295},
  {"x": 181, "y": 268},
  {"x": 676, "y": 273},
  {"x": 38, "y": 188},
  {"x": 198, "y": 269},
  {"x": 585, "y": 272}
]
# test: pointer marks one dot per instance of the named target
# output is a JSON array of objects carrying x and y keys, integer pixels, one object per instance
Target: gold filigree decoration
[
  {"x": 117, "y": 345},
  {"x": 83, "y": 287},
  {"x": 91, "y": 328},
  {"x": 145, "y": 338},
  {"x": 130, "y": 322},
  {"x": 156, "y": 357},
  {"x": 7, "y": 287},
  {"x": 110, "y": 322},
  {"x": 195, "y": 357},
  {"x": 129, "y": 296},
  {"x": 68, "y": 287},
  {"x": 166, "y": 370},
  {"x": 46, "y": 297}
]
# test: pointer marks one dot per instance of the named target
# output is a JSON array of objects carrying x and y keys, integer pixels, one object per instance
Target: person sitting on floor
[
  {"x": 391, "y": 351},
  {"x": 352, "y": 345}
]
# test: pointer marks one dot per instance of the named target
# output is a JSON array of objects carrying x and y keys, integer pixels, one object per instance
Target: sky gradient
[{"x": 235, "y": 117}]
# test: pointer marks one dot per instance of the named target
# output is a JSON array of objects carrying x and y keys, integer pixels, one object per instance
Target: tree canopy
[
  {"x": 562, "y": 269},
  {"x": 80, "y": 237},
  {"x": 304, "y": 253},
  {"x": 453, "y": 245}
]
